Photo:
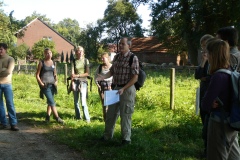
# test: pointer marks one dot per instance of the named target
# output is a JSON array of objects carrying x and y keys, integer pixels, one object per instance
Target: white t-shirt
[{"x": 112, "y": 54}]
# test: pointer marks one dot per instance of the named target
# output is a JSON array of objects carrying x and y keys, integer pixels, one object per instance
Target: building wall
[{"x": 37, "y": 30}]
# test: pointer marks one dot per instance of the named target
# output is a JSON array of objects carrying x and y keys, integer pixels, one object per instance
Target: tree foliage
[
  {"x": 35, "y": 15},
  {"x": 38, "y": 48},
  {"x": 69, "y": 29},
  {"x": 20, "y": 52},
  {"x": 90, "y": 39},
  {"x": 121, "y": 19},
  {"x": 7, "y": 30},
  {"x": 184, "y": 21}
]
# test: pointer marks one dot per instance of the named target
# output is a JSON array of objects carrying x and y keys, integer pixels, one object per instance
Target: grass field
[{"x": 158, "y": 133}]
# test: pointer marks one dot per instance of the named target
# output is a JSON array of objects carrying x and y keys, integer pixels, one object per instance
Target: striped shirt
[{"x": 121, "y": 71}]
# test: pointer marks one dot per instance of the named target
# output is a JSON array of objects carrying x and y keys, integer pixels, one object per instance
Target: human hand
[
  {"x": 204, "y": 56},
  {"x": 73, "y": 76},
  {"x": 99, "y": 87},
  {"x": 99, "y": 77},
  {"x": 215, "y": 104},
  {"x": 120, "y": 91}
]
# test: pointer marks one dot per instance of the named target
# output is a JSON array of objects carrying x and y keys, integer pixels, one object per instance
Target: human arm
[
  {"x": 105, "y": 76},
  {"x": 9, "y": 68},
  {"x": 129, "y": 84},
  {"x": 95, "y": 77},
  {"x": 219, "y": 86},
  {"x": 201, "y": 72},
  {"x": 55, "y": 75},
  {"x": 38, "y": 74}
]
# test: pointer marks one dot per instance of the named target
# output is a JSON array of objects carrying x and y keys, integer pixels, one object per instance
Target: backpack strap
[
  {"x": 225, "y": 71},
  {"x": 74, "y": 65},
  {"x": 131, "y": 60},
  {"x": 85, "y": 65},
  {"x": 100, "y": 68}
]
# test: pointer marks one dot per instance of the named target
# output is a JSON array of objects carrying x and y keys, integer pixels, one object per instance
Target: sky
[{"x": 84, "y": 11}]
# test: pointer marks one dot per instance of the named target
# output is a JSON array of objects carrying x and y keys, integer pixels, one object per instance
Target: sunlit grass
[{"x": 157, "y": 131}]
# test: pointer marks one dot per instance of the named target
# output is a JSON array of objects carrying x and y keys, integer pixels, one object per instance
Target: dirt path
[{"x": 30, "y": 144}]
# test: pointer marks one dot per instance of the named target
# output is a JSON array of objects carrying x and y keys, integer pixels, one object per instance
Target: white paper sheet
[{"x": 111, "y": 97}]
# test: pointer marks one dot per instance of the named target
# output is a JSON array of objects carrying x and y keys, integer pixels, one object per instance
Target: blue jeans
[
  {"x": 49, "y": 93},
  {"x": 6, "y": 90},
  {"x": 83, "y": 95}
]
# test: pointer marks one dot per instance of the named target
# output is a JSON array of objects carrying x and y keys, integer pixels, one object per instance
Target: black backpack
[{"x": 141, "y": 76}]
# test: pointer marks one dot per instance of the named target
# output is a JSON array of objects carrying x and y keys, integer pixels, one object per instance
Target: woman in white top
[{"x": 104, "y": 85}]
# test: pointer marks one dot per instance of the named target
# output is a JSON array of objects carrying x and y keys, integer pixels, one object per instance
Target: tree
[
  {"x": 121, "y": 19},
  {"x": 69, "y": 29},
  {"x": 38, "y": 48},
  {"x": 62, "y": 57},
  {"x": 181, "y": 23},
  {"x": 20, "y": 52},
  {"x": 90, "y": 39},
  {"x": 7, "y": 30},
  {"x": 71, "y": 56},
  {"x": 67, "y": 57},
  {"x": 35, "y": 15}
]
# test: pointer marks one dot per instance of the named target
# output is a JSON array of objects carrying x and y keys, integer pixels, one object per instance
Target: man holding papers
[{"x": 124, "y": 77}]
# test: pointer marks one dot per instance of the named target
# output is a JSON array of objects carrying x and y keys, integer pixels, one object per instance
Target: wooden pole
[
  {"x": 172, "y": 88},
  {"x": 65, "y": 74},
  {"x": 18, "y": 71}
]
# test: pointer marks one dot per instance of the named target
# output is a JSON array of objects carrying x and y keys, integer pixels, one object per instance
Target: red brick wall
[{"x": 36, "y": 30}]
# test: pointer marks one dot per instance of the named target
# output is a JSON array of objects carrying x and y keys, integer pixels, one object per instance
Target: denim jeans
[
  {"x": 49, "y": 93},
  {"x": 83, "y": 96},
  {"x": 6, "y": 90}
]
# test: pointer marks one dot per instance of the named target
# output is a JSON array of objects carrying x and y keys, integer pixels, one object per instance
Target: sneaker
[
  {"x": 59, "y": 120},
  {"x": 47, "y": 119},
  {"x": 14, "y": 128}
]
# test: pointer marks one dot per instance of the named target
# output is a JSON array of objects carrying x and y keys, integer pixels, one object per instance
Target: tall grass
[{"x": 157, "y": 131}]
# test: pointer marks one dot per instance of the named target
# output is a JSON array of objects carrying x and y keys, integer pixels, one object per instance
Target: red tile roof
[{"x": 146, "y": 45}]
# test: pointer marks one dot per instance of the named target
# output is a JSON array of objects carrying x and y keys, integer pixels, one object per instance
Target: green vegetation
[{"x": 157, "y": 131}]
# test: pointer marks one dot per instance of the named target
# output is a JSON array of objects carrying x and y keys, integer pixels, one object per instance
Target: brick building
[
  {"x": 149, "y": 50},
  {"x": 37, "y": 30}
]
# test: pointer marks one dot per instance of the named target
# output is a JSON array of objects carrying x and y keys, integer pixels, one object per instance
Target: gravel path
[{"x": 30, "y": 144}]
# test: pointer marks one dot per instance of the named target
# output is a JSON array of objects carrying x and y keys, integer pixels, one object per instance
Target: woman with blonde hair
[
  {"x": 222, "y": 141},
  {"x": 105, "y": 84},
  {"x": 80, "y": 71}
]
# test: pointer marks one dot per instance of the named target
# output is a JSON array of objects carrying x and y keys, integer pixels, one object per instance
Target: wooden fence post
[
  {"x": 18, "y": 71},
  {"x": 66, "y": 73},
  {"x": 172, "y": 88}
]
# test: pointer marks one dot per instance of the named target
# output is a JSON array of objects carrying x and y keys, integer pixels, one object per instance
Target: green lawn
[{"x": 158, "y": 133}]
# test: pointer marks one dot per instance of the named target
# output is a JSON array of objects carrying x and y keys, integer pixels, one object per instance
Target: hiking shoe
[
  {"x": 14, "y": 128},
  {"x": 59, "y": 120},
  {"x": 47, "y": 119},
  {"x": 125, "y": 142},
  {"x": 3, "y": 126}
]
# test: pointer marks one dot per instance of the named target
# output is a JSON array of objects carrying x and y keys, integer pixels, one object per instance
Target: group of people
[
  {"x": 113, "y": 70},
  {"x": 220, "y": 52}
]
